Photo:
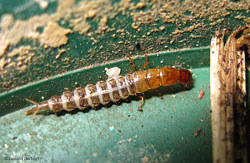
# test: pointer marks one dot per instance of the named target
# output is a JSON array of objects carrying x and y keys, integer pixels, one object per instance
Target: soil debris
[
  {"x": 197, "y": 132},
  {"x": 54, "y": 36}
]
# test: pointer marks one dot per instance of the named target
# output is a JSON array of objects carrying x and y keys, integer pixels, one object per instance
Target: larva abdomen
[{"x": 114, "y": 89}]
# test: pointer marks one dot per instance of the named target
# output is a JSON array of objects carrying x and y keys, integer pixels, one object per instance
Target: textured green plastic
[
  {"x": 164, "y": 131},
  {"x": 15, "y": 99},
  {"x": 81, "y": 52},
  {"x": 173, "y": 129}
]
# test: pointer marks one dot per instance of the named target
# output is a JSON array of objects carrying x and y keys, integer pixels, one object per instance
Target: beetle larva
[{"x": 114, "y": 89}]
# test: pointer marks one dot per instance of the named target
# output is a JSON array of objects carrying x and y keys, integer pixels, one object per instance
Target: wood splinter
[{"x": 228, "y": 96}]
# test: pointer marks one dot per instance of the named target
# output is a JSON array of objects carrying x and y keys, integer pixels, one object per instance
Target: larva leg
[
  {"x": 146, "y": 63},
  {"x": 187, "y": 86},
  {"x": 141, "y": 103},
  {"x": 159, "y": 92},
  {"x": 133, "y": 64}
]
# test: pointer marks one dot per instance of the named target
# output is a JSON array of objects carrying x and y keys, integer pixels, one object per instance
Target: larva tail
[{"x": 35, "y": 110}]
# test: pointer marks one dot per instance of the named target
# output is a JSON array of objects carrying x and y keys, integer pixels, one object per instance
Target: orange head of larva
[{"x": 185, "y": 76}]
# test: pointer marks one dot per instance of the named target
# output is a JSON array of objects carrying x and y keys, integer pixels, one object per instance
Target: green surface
[
  {"x": 83, "y": 50},
  {"x": 164, "y": 131},
  {"x": 15, "y": 99}
]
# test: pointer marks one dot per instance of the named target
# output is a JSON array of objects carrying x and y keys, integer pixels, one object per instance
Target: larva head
[{"x": 185, "y": 76}]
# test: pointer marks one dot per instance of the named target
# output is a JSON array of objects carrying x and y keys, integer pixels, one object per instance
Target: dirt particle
[
  {"x": 162, "y": 28},
  {"x": 172, "y": 96},
  {"x": 140, "y": 5},
  {"x": 201, "y": 94},
  {"x": 144, "y": 17},
  {"x": 197, "y": 132},
  {"x": 188, "y": 29},
  {"x": 144, "y": 159},
  {"x": 91, "y": 14},
  {"x": 102, "y": 25},
  {"x": 135, "y": 25},
  {"x": 247, "y": 20},
  {"x": 4, "y": 44},
  {"x": 172, "y": 41},
  {"x": 80, "y": 25},
  {"x": 138, "y": 45},
  {"x": 18, "y": 58},
  {"x": 65, "y": 59},
  {"x": 7, "y": 21},
  {"x": 65, "y": 4},
  {"x": 130, "y": 140},
  {"x": 2, "y": 63},
  {"x": 60, "y": 52},
  {"x": 54, "y": 35},
  {"x": 14, "y": 138},
  {"x": 6, "y": 146},
  {"x": 42, "y": 3},
  {"x": 7, "y": 84},
  {"x": 239, "y": 17},
  {"x": 22, "y": 68},
  {"x": 95, "y": 154}
]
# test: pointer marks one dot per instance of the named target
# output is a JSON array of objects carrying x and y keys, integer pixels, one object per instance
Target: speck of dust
[
  {"x": 144, "y": 159},
  {"x": 95, "y": 154},
  {"x": 6, "y": 146},
  {"x": 111, "y": 128}
]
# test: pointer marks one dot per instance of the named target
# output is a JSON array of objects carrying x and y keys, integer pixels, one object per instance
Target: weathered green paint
[
  {"x": 164, "y": 131},
  {"x": 15, "y": 99}
]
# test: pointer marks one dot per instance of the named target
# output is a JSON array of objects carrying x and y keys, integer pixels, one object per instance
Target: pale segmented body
[{"x": 114, "y": 89}]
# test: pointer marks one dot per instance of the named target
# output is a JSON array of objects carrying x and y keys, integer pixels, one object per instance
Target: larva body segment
[{"x": 114, "y": 89}]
